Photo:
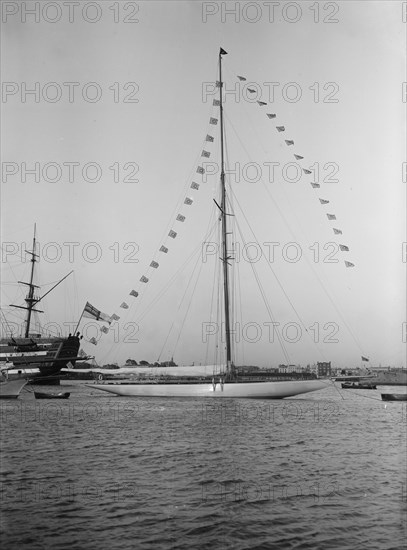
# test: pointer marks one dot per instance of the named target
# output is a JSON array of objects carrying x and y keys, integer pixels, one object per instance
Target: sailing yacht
[{"x": 212, "y": 381}]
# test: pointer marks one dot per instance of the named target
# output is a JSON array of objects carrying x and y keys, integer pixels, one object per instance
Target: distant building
[
  {"x": 289, "y": 368},
  {"x": 324, "y": 369}
]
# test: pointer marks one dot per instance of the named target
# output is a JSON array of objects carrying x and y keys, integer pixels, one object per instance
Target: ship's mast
[
  {"x": 30, "y": 300},
  {"x": 229, "y": 364}
]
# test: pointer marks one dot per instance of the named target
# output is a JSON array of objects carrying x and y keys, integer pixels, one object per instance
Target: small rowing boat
[
  {"x": 394, "y": 396},
  {"x": 61, "y": 395},
  {"x": 353, "y": 386}
]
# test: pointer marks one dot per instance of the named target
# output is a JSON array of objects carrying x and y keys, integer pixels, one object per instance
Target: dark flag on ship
[{"x": 364, "y": 358}]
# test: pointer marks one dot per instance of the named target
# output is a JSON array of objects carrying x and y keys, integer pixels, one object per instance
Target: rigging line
[
  {"x": 214, "y": 287},
  {"x": 15, "y": 278},
  {"x": 190, "y": 301},
  {"x": 189, "y": 259},
  {"x": 216, "y": 301},
  {"x": 278, "y": 280},
  {"x": 294, "y": 236},
  {"x": 193, "y": 292},
  {"x": 337, "y": 389},
  {"x": 161, "y": 293},
  {"x": 178, "y": 205},
  {"x": 189, "y": 176},
  {"x": 6, "y": 322},
  {"x": 263, "y": 294},
  {"x": 179, "y": 307},
  {"x": 219, "y": 348},
  {"x": 362, "y": 395}
]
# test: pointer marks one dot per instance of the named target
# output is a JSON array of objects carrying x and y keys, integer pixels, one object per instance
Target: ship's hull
[
  {"x": 11, "y": 389},
  {"x": 253, "y": 390},
  {"x": 41, "y": 359}
]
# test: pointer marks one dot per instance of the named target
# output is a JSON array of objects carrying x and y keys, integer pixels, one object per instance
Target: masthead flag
[
  {"x": 365, "y": 358},
  {"x": 222, "y": 52}
]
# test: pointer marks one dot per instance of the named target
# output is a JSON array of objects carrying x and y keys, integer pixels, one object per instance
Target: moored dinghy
[
  {"x": 394, "y": 396},
  {"x": 61, "y": 395}
]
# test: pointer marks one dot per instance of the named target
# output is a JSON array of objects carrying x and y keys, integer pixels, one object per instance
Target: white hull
[
  {"x": 254, "y": 390},
  {"x": 12, "y": 388}
]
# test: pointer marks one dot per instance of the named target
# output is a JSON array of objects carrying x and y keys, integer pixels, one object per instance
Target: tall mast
[
  {"x": 30, "y": 300},
  {"x": 229, "y": 366}
]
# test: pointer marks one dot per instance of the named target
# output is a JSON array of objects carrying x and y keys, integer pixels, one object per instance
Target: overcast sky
[{"x": 123, "y": 95}]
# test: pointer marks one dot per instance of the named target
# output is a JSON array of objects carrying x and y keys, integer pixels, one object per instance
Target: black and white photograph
[{"x": 203, "y": 337}]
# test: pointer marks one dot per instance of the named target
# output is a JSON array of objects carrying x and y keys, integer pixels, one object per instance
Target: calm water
[{"x": 101, "y": 472}]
